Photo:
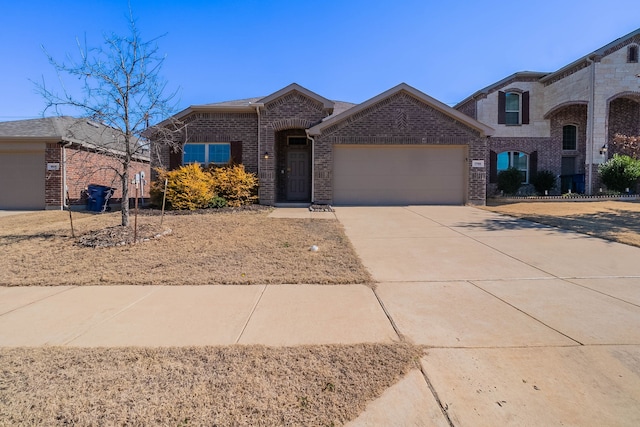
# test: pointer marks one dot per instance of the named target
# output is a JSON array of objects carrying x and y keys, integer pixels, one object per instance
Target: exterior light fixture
[
  {"x": 266, "y": 155},
  {"x": 603, "y": 150}
]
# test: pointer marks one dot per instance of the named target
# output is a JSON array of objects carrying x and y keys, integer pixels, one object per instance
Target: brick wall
[
  {"x": 624, "y": 118},
  {"x": 293, "y": 111},
  {"x": 84, "y": 168},
  {"x": 398, "y": 119},
  {"x": 53, "y": 179},
  {"x": 215, "y": 127},
  {"x": 570, "y": 115},
  {"x": 548, "y": 150}
]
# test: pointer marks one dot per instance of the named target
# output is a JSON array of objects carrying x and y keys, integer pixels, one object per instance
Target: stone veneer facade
[{"x": 599, "y": 94}]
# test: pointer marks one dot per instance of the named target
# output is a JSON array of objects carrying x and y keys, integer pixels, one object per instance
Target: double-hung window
[
  {"x": 210, "y": 153},
  {"x": 512, "y": 108}
]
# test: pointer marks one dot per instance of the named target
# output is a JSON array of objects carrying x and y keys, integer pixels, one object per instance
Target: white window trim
[
  {"x": 206, "y": 152},
  {"x": 514, "y": 92}
]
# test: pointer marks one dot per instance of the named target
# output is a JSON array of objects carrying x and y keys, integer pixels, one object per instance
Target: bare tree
[{"x": 120, "y": 88}]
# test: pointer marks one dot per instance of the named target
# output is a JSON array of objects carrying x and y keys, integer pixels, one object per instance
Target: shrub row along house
[
  {"x": 404, "y": 147},
  {"x": 40, "y": 158}
]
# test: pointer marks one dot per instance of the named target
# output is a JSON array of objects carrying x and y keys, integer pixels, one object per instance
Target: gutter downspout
[
  {"x": 313, "y": 149},
  {"x": 64, "y": 174},
  {"x": 590, "y": 126}
]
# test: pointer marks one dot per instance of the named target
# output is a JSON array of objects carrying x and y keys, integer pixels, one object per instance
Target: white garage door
[
  {"x": 398, "y": 175},
  {"x": 22, "y": 179}
]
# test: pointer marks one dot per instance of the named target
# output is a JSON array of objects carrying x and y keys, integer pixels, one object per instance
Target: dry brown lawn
[
  {"x": 224, "y": 386},
  {"x": 203, "y": 248},
  {"x": 611, "y": 220}
]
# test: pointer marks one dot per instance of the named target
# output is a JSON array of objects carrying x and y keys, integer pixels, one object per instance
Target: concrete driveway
[{"x": 525, "y": 324}]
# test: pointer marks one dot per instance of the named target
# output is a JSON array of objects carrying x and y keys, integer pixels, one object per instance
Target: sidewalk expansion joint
[
  {"x": 443, "y": 407},
  {"x": 253, "y": 309},
  {"x": 525, "y": 313},
  {"x": 393, "y": 323},
  {"x": 41, "y": 299},
  {"x": 128, "y": 306}
]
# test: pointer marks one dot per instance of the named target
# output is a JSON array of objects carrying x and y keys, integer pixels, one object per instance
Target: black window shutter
[
  {"x": 525, "y": 108},
  {"x": 533, "y": 165},
  {"x": 236, "y": 152},
  {"x": 493, "y": 167},
  {"x": 175, "y": 157},
  {"x": 502, "y": 104}
]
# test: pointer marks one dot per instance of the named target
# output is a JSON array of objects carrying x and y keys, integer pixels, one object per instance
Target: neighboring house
[
  {"x": 404, "y": 147},
  {"x": 40, "y": 157},
  {"x": 563, "y": 121},
  {"x": 400, "y": 147}
]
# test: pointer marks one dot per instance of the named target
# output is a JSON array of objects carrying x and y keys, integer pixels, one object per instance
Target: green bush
[
  {"x": 217, "y": 202},
  {"x": 543, "y": 181},
  {"x": 620, "y": 172},
  {"x": 509, "y": 181}
]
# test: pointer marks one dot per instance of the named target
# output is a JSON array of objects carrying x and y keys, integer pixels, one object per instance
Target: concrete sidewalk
[
  {"x": 524, "y": 324},
  {"x": 113, "y": 316}
]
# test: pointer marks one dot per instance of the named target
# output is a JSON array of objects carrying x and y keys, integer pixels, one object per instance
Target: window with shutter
[
  {"x": 215, "y": 153},
  {"x": 514, "y": 159},
  {"x": 513, "y": 108}
]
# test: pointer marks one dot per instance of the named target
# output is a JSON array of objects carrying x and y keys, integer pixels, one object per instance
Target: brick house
[
  {"x": 562, "y": 121},
  {"x": 40, "y": 157},
  {"x": 404, "y": 147},
  {"x": 400, "y": 147}
]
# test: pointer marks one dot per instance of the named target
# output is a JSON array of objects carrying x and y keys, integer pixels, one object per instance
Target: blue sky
[{"x": 348, "y": 50}]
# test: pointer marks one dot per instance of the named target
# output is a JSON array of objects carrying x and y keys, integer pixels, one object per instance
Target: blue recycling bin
[{"x": 98, "y": 196}]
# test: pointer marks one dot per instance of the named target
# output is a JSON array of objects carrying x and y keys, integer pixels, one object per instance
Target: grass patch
[
  {"x": 237, "y": 385},
  {"x": 204, "y": 248},
  {"x": 611, "y": 220}
]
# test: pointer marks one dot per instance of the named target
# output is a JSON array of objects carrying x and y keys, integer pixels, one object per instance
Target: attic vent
[{"x": 94, "y": 124}]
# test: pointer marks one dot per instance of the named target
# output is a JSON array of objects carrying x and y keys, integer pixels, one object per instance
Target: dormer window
[
  {"x": 632, "y": 53},
  {"x": 513, "y": 108}
]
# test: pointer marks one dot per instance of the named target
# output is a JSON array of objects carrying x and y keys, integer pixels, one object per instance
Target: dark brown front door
[{"x": 298, "y": 176}]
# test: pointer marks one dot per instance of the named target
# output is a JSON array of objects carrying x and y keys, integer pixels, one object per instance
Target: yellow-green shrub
[
  {"x": 188, "y": 187},
  {"x": 234, "y": 184}
]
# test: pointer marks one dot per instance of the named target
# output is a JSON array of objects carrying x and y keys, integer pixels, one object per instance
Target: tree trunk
[{"x": 124, "y": 210}]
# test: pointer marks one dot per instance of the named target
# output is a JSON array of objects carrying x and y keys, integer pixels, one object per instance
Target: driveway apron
[{"x": 524, "y": 324}]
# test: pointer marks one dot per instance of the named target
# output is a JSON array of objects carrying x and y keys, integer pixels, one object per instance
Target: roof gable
[
  {"x": 327, "y": 104},
  {"x": 632, "y": 37},
  {"x": 411, "y": 91}
]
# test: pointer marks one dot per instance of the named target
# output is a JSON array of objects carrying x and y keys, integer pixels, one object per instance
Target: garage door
[
  {"x": 398, "y": 175},
  {"x": 22, "y": 178}
]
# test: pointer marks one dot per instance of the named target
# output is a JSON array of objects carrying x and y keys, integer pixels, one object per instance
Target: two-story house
[{"x": 562, "y": 121}]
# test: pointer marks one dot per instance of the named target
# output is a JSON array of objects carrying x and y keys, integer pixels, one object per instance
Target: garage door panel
[
  {"x": 22, "y": 181},
  {"x": 395, "y": 175}
]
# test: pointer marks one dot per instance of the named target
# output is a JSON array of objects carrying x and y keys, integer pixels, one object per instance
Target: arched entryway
[
  {"x": 624, "y": 118},
  {"x": 293, "y": 166}
]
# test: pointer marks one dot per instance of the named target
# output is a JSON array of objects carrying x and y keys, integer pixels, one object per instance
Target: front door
[
  {"x": 298, "y": 177},
  {"x": 568, "y": 169}
]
